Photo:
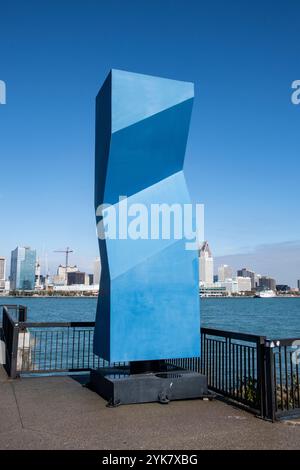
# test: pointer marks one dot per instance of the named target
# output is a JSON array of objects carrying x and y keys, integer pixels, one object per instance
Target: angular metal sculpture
[{"x": 148, "y": 307}]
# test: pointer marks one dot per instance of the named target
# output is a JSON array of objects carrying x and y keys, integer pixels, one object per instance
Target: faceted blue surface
[
  {"x": 136, "y": 97},
  {"x": 148, "y": 306}
]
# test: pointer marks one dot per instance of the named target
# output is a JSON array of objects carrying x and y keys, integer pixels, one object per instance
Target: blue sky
[{"x": 243, "y": 151}]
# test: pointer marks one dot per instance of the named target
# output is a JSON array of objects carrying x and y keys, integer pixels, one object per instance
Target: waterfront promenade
[{"x": 59, "y": 413}]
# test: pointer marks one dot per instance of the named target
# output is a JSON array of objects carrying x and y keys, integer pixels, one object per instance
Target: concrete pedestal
[{"x": 120, "y": 387}]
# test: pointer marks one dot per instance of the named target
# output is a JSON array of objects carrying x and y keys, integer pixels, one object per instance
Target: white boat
[{"x": 265, "y": 294}]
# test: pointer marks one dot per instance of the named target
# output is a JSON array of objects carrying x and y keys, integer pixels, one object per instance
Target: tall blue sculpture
[{"x": 148, "y": 306}]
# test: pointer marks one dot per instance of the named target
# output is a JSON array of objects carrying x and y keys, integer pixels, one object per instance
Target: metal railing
[
  {"x": 232, "y": 363},
  {"x": 260, "y": 374},
  {"x": 286, "y": 380},
  {"x": 47, "y": 347}
]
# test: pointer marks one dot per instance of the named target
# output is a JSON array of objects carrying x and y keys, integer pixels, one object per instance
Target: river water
[{"x": 275, "y": 317}]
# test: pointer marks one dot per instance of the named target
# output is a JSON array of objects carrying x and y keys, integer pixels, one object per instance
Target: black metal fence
[
  {"x": 260, "y": 374},
  {"x": 232, "y": 364},
  {"x": 39, "y": 347},
  {"x": 285, "y": 369}
]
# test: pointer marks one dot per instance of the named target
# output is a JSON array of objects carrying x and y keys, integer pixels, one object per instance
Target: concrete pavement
[{"x": 59, "y": 413}]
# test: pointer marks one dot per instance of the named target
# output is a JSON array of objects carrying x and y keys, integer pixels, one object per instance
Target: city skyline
[
  {"x": 244, "y": 123},
  {"x": 209, "y": 270},
  {"x": 261, "y": 259}
]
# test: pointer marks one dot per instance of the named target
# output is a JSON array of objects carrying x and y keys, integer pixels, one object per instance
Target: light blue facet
[
  {"x": 123, "y": 255},
  {"x": 148, "y": 306},
  {"x": 136, "y": 97}
]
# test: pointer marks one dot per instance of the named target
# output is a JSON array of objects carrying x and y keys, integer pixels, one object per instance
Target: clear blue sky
[{"x": 243, "y": 152}]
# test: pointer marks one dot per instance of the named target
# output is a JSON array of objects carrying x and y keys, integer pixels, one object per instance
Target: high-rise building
[
  {"x": 2, "y": 272},
  {"x": 97, "y": 271},
  {"x": 206, "y": 264},
  {"x": 266, "y": 282},
  {"x": 298, "y": 284},
  {"x": 22, "y": 269},
  {"x": 224, "y": 272},
  {"x": 244, "y": 272}
]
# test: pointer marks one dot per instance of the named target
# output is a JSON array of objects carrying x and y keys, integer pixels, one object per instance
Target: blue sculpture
[{"x": 148, "y": 306}]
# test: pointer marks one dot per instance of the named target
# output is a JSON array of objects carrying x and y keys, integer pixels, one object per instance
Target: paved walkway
[{"x": 59, "y": 413}]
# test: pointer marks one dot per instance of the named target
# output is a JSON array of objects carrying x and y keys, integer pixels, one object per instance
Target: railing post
[
  {"x": 14, "y": 352},
  {"x": 260, "y": 360},
  {"x": 269, "y": 379},
  {"x": 22, "y": 314},
  {"x": 265, "y": 378}
]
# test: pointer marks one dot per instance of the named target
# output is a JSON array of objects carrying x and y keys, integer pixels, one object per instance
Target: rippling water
[{"x": 277, "y": 317}]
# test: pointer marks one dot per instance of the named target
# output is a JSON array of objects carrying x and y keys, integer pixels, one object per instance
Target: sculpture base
[{"x": 120, "y": 387}]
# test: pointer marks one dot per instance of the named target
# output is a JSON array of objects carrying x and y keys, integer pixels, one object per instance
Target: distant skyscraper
[
  {"x": 224, "y": 272},
  {"x": 298, "y": 284},
  {"x": 2, "y": 272},
  {"x": 22, "y": 269},
  {"x": 97, "y": 271},
  {"x": 206, "y": 264},
  {"x": 247, "y": 273}
]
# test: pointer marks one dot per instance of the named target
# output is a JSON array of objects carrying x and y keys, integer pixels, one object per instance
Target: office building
[
  {"x": 244, "y": 284},
  {"x": 61, "y": 278},
  {"x": 22, "y": 269},
  {"x": 298, "y": 284},
  {"x": 206, "y": 265},
  {"x": 224, "y": 272},
  {"x": 257, "y": 278},
  {"x": 266, "y": 282},
  {"x": 77, "y": 277},
  {"x": 244, "y": 272},
  {"x": 2, "y": 272}
]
